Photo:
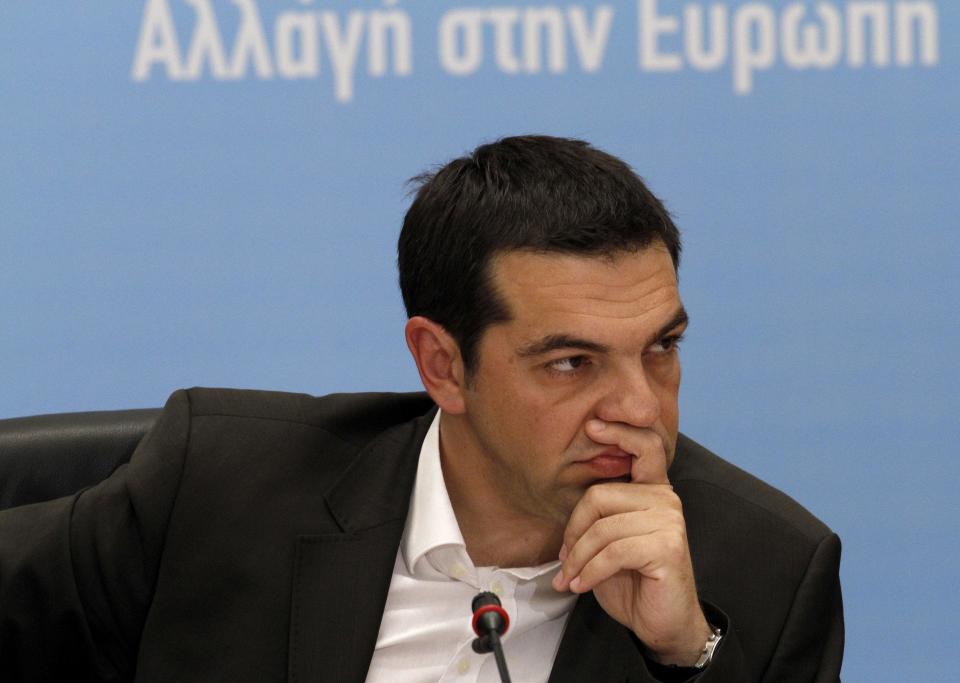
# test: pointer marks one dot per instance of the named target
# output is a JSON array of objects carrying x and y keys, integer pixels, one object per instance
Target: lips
[{"x": 609, "y": 464}]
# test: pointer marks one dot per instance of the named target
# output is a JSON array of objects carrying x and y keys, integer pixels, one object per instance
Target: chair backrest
[{"x": 48, "y": 456}]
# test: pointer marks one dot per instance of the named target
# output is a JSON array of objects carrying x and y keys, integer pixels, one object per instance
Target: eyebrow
[
  {"x": 679, "y": 318},
  {"x": 554, "y": 342}
]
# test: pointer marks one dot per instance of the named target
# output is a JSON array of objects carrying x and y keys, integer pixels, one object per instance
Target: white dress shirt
[{"x": 425, "y": 634}]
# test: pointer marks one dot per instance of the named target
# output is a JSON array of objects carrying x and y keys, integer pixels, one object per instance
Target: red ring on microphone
[{"x": 490, "y": 608}]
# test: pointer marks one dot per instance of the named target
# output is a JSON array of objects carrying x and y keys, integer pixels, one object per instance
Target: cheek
[
  {"x": 542, "y": 429},
  {"x": 666, "y": 384},
  {"x": 511, "y": 410},
  {"x": 542, "y": 418}
]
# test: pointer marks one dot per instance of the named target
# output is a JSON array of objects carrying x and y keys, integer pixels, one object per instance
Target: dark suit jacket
[{"x": 252, "y": 537}]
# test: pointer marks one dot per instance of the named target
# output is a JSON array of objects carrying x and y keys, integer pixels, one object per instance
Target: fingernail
[
  {"x": 596, "y": 425},
  {"x": 575, "y": 585},
  {"x": 563, "y": 552},
  {"x": 558, "y": 581}
]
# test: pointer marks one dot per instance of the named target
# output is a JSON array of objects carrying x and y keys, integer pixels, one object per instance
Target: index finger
[{"x": 649, "y": 464}]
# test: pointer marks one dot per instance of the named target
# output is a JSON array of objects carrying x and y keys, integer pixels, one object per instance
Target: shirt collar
[{"x": 431, "y": 522}]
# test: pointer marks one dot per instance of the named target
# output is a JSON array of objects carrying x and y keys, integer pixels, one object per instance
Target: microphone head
[
  {"x": 488, "y": 615},
  {"x": 490, "y": 621},
  {"x": 483, "y": 599}
]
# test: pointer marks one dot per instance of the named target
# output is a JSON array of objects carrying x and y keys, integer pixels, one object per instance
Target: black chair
[{"x": 48, "y": 456}]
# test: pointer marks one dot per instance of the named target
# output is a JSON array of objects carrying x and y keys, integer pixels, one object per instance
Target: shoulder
[
  {"x": 281, "y": 442},
  {"x": 706, "y": 479},
  {"x": 352, "y": 418}
]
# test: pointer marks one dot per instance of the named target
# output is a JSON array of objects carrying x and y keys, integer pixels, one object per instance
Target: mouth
[{"x": 609, "y": 464}]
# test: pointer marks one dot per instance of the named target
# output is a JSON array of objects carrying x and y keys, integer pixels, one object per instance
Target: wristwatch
[{"x": 707, "y": 653}]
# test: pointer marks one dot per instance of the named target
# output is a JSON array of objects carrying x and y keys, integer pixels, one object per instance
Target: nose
[{"x": 629, "y": 398}]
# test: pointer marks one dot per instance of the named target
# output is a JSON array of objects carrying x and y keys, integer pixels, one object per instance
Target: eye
[
  {"x": 667, "y": 344},
  {"x": 568, "y": 366}
]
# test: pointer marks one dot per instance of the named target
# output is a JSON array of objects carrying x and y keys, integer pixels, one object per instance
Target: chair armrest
[{"x": 43, "y": 457}]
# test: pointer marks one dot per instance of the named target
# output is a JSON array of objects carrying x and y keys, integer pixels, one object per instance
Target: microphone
[{"x": 490, "y": 621}]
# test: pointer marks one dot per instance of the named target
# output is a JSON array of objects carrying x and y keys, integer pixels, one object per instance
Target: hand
[{"x": 627, "y": 542}]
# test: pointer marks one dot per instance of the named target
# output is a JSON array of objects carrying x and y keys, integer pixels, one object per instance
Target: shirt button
[
  {"x": 497, "y": 588},
  {"x": 458, "y": 571},
  {"x": 463, "y": 667}
]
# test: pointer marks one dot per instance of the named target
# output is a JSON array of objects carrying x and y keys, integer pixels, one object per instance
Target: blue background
[{"x": 160, "y": 234}]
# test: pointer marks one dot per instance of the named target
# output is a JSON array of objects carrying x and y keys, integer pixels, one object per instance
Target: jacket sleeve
[
  {"x": 77, "y": 574},
  {"x": 727, "y": 664},
  {"x": 810, "y": 649}
]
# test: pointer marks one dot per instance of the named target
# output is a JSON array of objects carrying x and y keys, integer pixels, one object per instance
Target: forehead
[{"x": 544, "y": 290}]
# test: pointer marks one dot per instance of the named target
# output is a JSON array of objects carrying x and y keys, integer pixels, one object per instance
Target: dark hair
[{"x": 535, "y": 193}]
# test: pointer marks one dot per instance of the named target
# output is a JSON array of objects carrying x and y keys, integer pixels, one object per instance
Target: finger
[
  {"x": 645, "y": 445},
  {"x": 604, "y": 500},
  {"x": 649, "y": 555},
  {"x": 612, "y": 529}
]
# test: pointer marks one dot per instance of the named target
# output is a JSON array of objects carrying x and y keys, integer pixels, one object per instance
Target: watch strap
[{"x": 706, "y": 655}]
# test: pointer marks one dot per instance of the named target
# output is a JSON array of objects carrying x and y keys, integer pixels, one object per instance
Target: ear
[{"x": 438, "y": 360}]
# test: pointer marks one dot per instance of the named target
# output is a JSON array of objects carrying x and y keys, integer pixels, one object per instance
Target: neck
[{"x": 495, "y": 531}]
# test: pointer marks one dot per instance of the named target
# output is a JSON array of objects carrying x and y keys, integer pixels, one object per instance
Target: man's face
[{"x": 589, "y": 338}]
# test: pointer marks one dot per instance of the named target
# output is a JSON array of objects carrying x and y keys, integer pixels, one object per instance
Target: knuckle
[
  {"x": 675, "y": 518},
  {"x": 614, "y": 553},
  {"x": 592, "y": 496},
  {"x": 675, "y": 543},
  {"x": 670, "y": 497}
]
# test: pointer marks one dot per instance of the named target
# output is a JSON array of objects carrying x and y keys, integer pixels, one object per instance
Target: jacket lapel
[{"x": 341, "y": 579}]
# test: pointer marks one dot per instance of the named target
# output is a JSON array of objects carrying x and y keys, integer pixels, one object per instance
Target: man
[{"x": 262, "y": 536}]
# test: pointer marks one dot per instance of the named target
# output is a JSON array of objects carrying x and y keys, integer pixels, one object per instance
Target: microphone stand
[{"x": 498, "y": 655}]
